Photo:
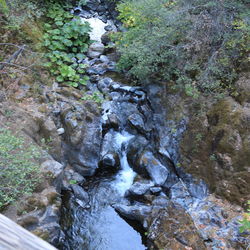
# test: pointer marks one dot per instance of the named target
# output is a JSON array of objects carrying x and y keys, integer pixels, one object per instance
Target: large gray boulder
[
  {"x": 173, "y": 228},
  {"x": 137, "y": 212},
  {"x": 139, "y": 188},
  {"x": 83, "y": 137},
  {"x": 95, "y": 50},
  {"x": 157, "y": 172}
]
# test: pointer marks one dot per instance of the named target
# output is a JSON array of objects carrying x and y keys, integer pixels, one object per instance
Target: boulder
[
  {"x": 221, "y": 159},
  {"x": 95, "y": 50},
  {"x": 83, "y": 137},
  {"x": 155, "y": 190},
  {"x": 173, "y": 229},
  {"x": 98, "y": 69},
  {"x": 134, "y": 152},
  {"x": 139, "y": 188},
  {"x": 93, "y": 54},
  {"x": 105, "y": 84},
  {"x": 104, "y": 59},
  {"x": 44, "y": 223},
  {"x": 106, "y": 37},
  {"x": 155, "y": 169},
  {"x": 160, "y": 201},
  {"x": 50, "y": 232},
  {"x": 137, "y": 122},
  {"x": 80, "y": 193},
  {"x": 48, "y": 132},
  {"x": 60, "y": 131},
  {"x": 137, "y": 212},
  {"x": 111, "y": 122},
  {"x": 53, "y": 170},
  {"x": 110, "y": 160},
  {"x": 180, "y": 194},
  {"x": 70, "y": 174},
  {"x": 89, "y": 170}
]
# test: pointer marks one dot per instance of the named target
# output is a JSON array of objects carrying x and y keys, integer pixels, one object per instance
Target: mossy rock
[
  {"x": 221, "y": 156},
  {"x": 43, "y": 234}
]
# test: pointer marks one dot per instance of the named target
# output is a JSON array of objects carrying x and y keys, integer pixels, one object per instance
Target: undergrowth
[
  {"x": 19, "y": 172},
  {"x": 66, "y": 41},
  {"x": 245, "y": 222},
  {"x": 50, "y": 33},
  {"x": 199, "y": 45}
]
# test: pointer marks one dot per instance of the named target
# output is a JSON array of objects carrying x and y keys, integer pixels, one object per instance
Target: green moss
[
  {"x": 42, "y": 234},
  {"x": 223, "y": 113},
  {"x": 217, "y": 149}
]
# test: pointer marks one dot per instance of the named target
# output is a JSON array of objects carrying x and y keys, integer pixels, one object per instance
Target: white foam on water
[
  {"x": 127, "y": 88},
  {"x": 125, "y": 177},
  {"x": 97, "y": 28},
  {"x": 122, "y": 138}
]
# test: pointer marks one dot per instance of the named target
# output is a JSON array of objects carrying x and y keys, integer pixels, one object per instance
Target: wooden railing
[{"x": 14, "y": 237}]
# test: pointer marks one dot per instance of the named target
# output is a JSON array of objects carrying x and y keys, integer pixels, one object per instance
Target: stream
[
  {"x": 94, "y": 224},
  {"x": 136, "y": 186},
  {"x": 99, "y": 226}
]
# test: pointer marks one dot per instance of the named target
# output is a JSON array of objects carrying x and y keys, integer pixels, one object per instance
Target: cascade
[{"x": 137, "y": 179}]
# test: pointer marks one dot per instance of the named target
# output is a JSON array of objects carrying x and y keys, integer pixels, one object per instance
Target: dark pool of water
[{"x": 99, "y": 227}]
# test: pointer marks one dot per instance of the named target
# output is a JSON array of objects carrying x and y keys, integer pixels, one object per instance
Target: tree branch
[
  {"x": 11, "y": 64},
  {"x": 15, "y": 55},
  {"x": 15, "y": 45}
]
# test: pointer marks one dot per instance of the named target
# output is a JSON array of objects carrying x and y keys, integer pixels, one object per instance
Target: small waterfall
[
  {"x": 126, "y": 175},
  {"x": 97, "y": 28},
  {"x": 97, "y": 226}
]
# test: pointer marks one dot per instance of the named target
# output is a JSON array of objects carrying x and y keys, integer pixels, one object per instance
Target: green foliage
[
  {"x": 213, "y": 157},
  {"x": 200, "y": 45},
  {"x": 96, "y": 97},
  {"x": 245, "y": 222},
  {"x": 66, "y": 40},
  {"x": 82, "y": 2},
  {"x": 128, "y": 16},
  {"x": 4, "y": 7},
  {"x": 17, "y": 12},
  {"x": 18, "y": 169},
  {"x": 73, "y": 181},
  {"x": 198, "y": 137}
]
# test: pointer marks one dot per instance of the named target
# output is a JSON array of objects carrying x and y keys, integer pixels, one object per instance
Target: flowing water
[
  {"x": 97, "y": 27},
  {"x": 97, "y": 226},
  {"x": 124, "y": 179}
]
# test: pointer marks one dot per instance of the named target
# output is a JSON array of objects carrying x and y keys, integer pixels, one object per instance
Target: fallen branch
[
  {"x": 11, "y": 64},
  {"x": 14, "y": 56},
  {"x": 18, "y": 46}
]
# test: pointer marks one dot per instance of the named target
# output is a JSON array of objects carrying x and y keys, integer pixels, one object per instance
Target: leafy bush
[
  {"x": 18, "y": 169},
  {"x": 66, "y": 40},
  {"x": 200, "y": 45},
  {"x": 3, "y": 6},
  {"x": 245, "y": 223},
  {"x": 17, "y": 17}
]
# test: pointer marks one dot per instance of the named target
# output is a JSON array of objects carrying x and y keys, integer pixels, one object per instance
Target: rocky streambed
[{"x": 132, "y": 193}]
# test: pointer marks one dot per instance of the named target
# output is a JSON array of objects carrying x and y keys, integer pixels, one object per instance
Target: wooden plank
[{"x": 13, "y": 236}]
